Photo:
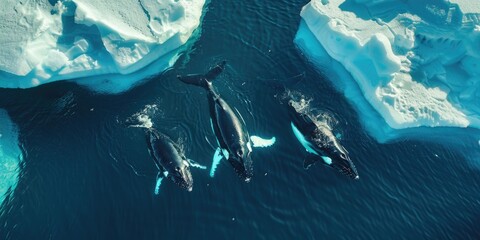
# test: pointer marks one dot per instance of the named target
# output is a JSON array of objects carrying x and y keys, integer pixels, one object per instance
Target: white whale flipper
[
  {"x": 217, "y": 156},
  {"x": 306, "y": 144},
  {"x": 260, "y": 142},
  {"x": 327, "y": 160},
  {"x": 195, "y": 164},
  {"x": 157, "y": 185}
]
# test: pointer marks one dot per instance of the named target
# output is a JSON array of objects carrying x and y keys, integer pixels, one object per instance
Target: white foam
[
  {"x": 79, "y": 39},
  {"x": 143, "y": 118},
  {"x": 10, "y": 156},
  {"x": 416, "y": 65}
]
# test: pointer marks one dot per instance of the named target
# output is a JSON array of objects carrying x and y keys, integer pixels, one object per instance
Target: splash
[
  {"x": 10, "y": 156},
  {"x": 303, "y": 104},
  {"x": 143, "y": 119},
  {"x": 323, "y": 119},
  {"x": 298, "y": 101}
]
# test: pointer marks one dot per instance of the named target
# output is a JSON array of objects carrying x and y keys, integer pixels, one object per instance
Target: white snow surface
[
  {"x": 107, "y": 45},
  {"x": 416, "y": 63}
]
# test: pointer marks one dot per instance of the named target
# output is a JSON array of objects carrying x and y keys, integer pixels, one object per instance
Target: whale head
[
  {"x": 340, "y": 160},
  {"x": 241, "y": 161},
  {"x": 182, "y": 176},
  {"x": 169, "y": 159}
]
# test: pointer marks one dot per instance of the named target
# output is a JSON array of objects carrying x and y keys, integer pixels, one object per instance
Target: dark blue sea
[{"x": 87, "y": 174}]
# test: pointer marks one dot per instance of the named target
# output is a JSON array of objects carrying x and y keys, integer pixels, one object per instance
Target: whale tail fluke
[
  {"x": 194, "y": 79},
  {"x": 215, "y": 71},
  {"x": 203, "y": 80}
]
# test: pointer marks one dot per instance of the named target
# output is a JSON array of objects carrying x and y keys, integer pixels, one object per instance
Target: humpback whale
[
  {"x": 319, "y": 141},
  {"x": 233, "y": 139},
  {"x": 170, "y": 160}
]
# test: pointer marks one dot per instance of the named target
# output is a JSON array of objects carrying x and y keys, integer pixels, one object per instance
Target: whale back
[
  {"x": 166, "y": 154},
  {"x": 169, "y": 158}
]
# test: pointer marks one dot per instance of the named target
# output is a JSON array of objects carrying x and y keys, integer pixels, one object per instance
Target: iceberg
[
  {"x": 106, "y": 45},
  {"x": 10, "y": 156},
  {"x": 404, "y": 65}
]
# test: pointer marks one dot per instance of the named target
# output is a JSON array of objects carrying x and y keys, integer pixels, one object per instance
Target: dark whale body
[
  {"x": 320, "y": 142},
  {"x": 229, "y": 131},
  {"x": 170, "y": 160}
]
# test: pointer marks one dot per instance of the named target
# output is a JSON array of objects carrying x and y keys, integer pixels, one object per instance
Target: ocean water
[{"x": 86, "y": 172}]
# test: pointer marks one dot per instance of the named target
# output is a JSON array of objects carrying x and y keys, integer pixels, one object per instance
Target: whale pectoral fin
[
  {"x": 326, "y": 160},
  {"x": 217, "y": 157},
  {"x": 158, "y": 183},
  {"x": 195, "y": 164},
  {"x": 260, "y": 142},
  {"x": 309, "y": 161}
]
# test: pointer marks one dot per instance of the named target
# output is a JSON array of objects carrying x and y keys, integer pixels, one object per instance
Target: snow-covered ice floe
[
  {"x": 106, "y": 45},
  {"x": 405, "y": 65},
  {"x": 10, "y": 156}
]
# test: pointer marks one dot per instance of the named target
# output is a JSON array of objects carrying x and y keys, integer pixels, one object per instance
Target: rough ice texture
[
  {"x": 107, "y": 45},
  {"x": 10, "y": 156},
  {"x": 416, "y": 63}
]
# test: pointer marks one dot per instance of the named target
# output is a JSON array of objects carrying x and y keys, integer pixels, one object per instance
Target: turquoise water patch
[{"x": 10, "y": 155}]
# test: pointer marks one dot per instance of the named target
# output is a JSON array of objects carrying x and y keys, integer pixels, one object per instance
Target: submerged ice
[
  {"x": 416, "y": 63},
  {"x": 110, "y": 42},
  {"x": 10, "y": 155}
]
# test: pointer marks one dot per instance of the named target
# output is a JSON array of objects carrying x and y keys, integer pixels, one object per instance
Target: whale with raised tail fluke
[{"x": 234, "y": 141}]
